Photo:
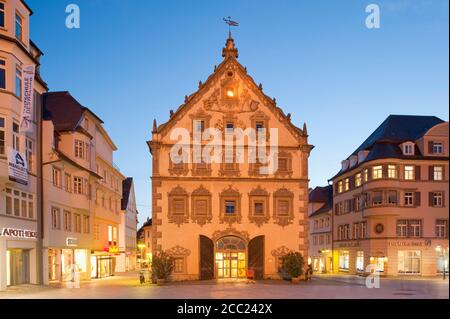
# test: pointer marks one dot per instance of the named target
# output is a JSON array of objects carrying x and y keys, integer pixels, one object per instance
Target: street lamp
[{"x": 441, "y": 251}]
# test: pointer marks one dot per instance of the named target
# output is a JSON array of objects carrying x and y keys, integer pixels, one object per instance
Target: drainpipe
[{"x": 40, "y": 215}]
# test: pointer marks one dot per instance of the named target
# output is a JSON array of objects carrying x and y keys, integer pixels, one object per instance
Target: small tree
[
  {"x": 293, "y": 264},
  {"x": 162, "y": 265}
]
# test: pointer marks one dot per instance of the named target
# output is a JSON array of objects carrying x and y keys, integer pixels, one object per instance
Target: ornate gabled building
[{"x": 219, "y": 218}]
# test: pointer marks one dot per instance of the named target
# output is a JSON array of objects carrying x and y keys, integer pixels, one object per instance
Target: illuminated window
[
  {"x": 392, "y": 171},
  {"x": 377, "y": 172},
  {"x": 366, "y": 175},
  {"x": 81, "y": 259},
  {"x": 358, "y": 180},
  {"x": 344, "y": 260},
  {"x": 340, "y": 187},
  {"x": 347, "y": 184},
  {"x": 360, "y": 261},
  {"x": 110, "y": 233},
  {"x": 2, "y": 134},
  {"x": 409, "y": 261},
  {"x": 438, "y": 173},
  {"x": 409, "y": 172}
]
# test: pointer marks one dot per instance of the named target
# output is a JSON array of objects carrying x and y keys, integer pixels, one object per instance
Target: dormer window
[
  {"x": 438, "y": 148},
  {"x": 408, "y": 149}
]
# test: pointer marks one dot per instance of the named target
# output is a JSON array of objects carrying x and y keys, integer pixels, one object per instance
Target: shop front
[
  {"x": 103, "y": 264},
  {"x": 67, "y": 264},
  {"x": 18, "y": 264}
]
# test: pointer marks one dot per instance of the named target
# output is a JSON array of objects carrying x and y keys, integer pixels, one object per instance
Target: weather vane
[{"x": 230, "y": 23}]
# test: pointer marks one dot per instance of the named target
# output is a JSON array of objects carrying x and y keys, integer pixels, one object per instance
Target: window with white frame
[
  {"x": 86, "y": 224},
  {"x": 442, "y": 228},
  {"x": 409, "y": 228},
  {"x": 409, "y": 199},
  {"x": 363, "y": 230},
  {"x": 392, "y": 171},
  {"x": 438, "y": 148},
  {"x": 355, "y": 231},
  {"x": 437, "y": 199},
  {"x": 56, "y": 177},
  {"x": 438, "y": 173},
  {"x": 29, "y": 153},
  {"x": 408, "y": 149},
  {"x": 67, "y": 220},
  {"x": 78, "y": 185},
  {"x": 19, "y": 27},
  {"x": 409, "y": 261},
  {"x": 77, "y": 223},
  {"x": 56, "y": 218},
  {"x": 68, "y": 182},
  {"x": 408, "y": 173},
  {"x": 16, "y": 138},
  {"x": 2, "y": 135},
  {"x": 402, "y": 228},
  {"x": 346, "y": 231},
  {"x": 377, "y": 172}
]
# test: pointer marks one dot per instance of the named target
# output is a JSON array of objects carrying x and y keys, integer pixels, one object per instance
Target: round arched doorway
[{"x": 231, "y": 257}]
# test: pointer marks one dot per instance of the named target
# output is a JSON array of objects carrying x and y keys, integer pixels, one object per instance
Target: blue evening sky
[{"x": 134, "y": 60}]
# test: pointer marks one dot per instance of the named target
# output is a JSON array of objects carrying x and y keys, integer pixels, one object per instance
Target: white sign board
[
  {"x": 18, "y": 233},
  {"x": 26, "y": 122},
  {"x": 17, "y": 167}
]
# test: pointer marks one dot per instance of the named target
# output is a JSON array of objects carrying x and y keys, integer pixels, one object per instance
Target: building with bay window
[
  {"x": 220, "y": 218},
  {"x": 390, "y": 200},
  {"x": 20, "y": 198}
]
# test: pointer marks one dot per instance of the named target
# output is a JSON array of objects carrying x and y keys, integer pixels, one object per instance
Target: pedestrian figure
[
  {"x": 309, "y": 272},
  {"x": 141, "y": 277}
]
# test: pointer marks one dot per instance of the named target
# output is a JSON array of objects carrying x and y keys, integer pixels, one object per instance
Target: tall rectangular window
[
  {"x": 363, "y": 230},
  {"x": 77, "y": 223},
  {"x": 2, "y": 136},
  {"x": 437, "y": 199},
  {"x": 56, "y": 218},
  {"x": 442, "y": 228},
  {"x": 358, "y": 180},
  {"x": 438, "y": 173},
  {"x": 18, "y": 83},
  {"x": 409, "y": 172},
  {"x": 392, "y": 171},
  {"x": 78, "y": 185},
  {"x": 19, "y": 27},
  {"x": 67, "y": 220},
  {"x": 409, "y": 199},
  {"x": 68, "y": 182},
  {"x": 79, "y": 149},
  {"x": 86, "y": 224},
  {"x": 56, "y": 177},
  {"x": 2, "y": 14},
  {"x": 2, "y": 74},
  {"x": 29, "y": 147},
  {"x": 16, "y": 138}
]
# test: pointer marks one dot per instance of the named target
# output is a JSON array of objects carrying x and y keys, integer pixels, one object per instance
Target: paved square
[{"x": 323, "y": 286}]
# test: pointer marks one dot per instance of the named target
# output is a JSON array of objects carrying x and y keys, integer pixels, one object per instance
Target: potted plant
[
  {"x": 293, "y": 265},
  {"x": 162, "y": 267}
]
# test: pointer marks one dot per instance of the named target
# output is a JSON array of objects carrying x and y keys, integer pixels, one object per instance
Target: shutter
[
  {"x": 417, "y": 199},
  {"x": 430, "y": 147},
  {"x": 443, "y": 173},
  {"x": 430, "y": 199},
  {"x": 443, "y": 199},
  {"x": 431, "y": 173},
  {"x": 385, "y": 171},
  {"x": 417, "y": 172}
]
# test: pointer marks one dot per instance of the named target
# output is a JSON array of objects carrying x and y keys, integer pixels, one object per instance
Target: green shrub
[
  {"x": 293, "y": 264},
  {"x": 162, "y": 265}
]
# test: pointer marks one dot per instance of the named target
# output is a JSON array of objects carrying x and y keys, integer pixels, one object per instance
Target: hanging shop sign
[
  {"x": 18, "y": 233},
  {"x": 17, "y": 167},
  {"x": 26, "y": 122}
]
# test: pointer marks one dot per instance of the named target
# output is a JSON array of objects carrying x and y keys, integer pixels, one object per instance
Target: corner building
[
  {"x": 219, "y": 219},
  {"x": 391, "y": 200}
]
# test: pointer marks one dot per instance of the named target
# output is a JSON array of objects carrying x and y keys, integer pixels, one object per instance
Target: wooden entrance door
[
  {"x": 256, "y": 256},
  {"x": 206, "y": 258}
]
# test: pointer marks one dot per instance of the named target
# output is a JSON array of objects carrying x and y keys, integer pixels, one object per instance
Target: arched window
[{"x": 230, "y": 243}]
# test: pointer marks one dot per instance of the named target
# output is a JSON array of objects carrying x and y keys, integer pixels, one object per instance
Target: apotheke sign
[{"x": 18, "y": 233}]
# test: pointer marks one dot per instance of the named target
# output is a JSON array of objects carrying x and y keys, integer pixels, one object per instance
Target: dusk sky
[{"x": 134, "y": 60}]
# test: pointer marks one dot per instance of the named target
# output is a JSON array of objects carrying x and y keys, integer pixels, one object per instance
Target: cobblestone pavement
[{"x": 126, "y": 286}]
